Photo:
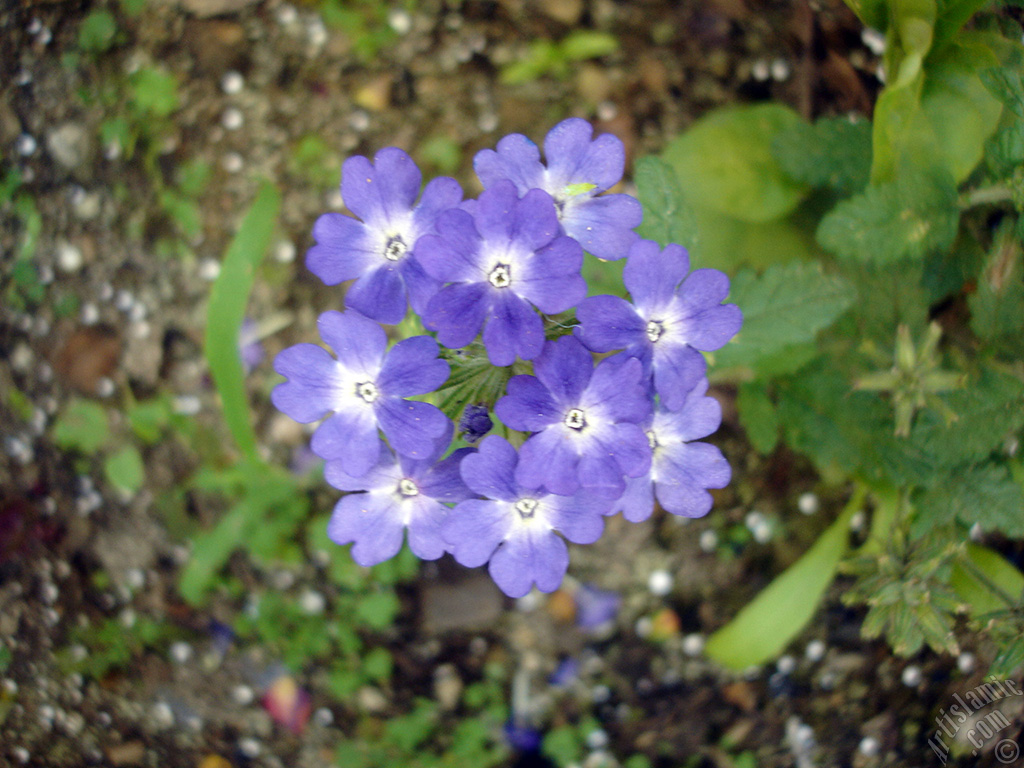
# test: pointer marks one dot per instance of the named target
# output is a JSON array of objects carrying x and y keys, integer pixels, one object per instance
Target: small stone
[
  {"x": 312, "y": 602},
  {"x": 180, "y": 651},
  {"x": 815, "y": 651},
  {"x": 693, "y": 644},
  {"x": 780, "y": 70},
  {"x": 284, "y": 251},
  {"x": 597, "y": 739},
  {"x": 966, "y": 662},
  {"x": 371, "y": 700},
  {"x": 868, "y": 746},
  {"x": 70, "y": 145},
  {"x": 209, "y": 269},
  {"x": 786, "y": 664},
  {"x": 660, "y": 582},
  {"x": 232, "y": 119},
  {"x": 762, "y": 532},
  {"x": 243, "y": 695},
  {"x": 21, "y": 755},
  {"x": 760, "y": 70},
  {"x": 708, "y": 541},
  {"x": 447, "y": 687},
  {"x": 323, "y": 717},
  {"x": 287, "y": 15},
  {"x": 163, "y": 715},
  {"x": 911, "y": 676},
  {"x": 25, "y": 145},
  {"x": 400, "y": 21},
  {"x": 249, "y": 747},
  {"x": 105, "y": 387},
  {"x": 857, "y": 521},
  {"x": 232, "y": 162},
  {"x": 232, "y": 82},
  {"x": 808, "y": 503},
  {"x": 873, "y": 40}
]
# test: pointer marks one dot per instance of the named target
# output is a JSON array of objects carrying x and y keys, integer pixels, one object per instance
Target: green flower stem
[{"x": 986, "y": 196}]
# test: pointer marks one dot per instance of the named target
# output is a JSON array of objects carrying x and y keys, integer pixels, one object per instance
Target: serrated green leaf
[
  {"x": 834, "y": 152},
  {"x": 765, "y": 626},
  {"x": 903, "y": 219},
  {"x": 984, "y": 412},
  {"x": 1007, "y": 85},
  {"x": 149, "y": 418},
  {"x": 725, "y": 163},
  {"x": 997, "y": 306},
  {"x": 758, "y": 415},
  {"x": 124, "y": 469},
  {"x": 987, "y": 495},
  {"x": 785, "y": 305},
  {"x": 729, "y": 244},
  {"x": 82, "y": 426},
  {"x": 887, "y": 296},
  {"x": 668, "y": 218}
]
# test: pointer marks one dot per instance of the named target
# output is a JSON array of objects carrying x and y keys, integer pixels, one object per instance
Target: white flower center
[
  {"x": 575, "y": 419},
  {"x": 654, "y": 330},
  {"x": 500, "y": 276},
  {"x": 526, "y": 508},
  {"x": 395, "y": 248},
  {"x": 652, "y": 439},
  {"x": 408, "y": 488},
  {"x": 367, "y": 391}
]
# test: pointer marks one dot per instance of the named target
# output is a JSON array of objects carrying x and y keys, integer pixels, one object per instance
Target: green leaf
[
  {"x": 96, "y": 35},
  {"x": 727, "y": 243},
  {"x": 588, "y": 44},
  {"x": 124, "y": 469},
  {"x": 904, "y": 219},
  {"x": 149, "y": 418},
  {"x": 987, "y": 495},
  {"x": 154, "y": 92},
  {"x": 1007, "y": 85},
  {"x": 785, "y": 305},
  {"x": 942, "y": 118},
  {"x": 228, "y": 299},
  {"x": 211, "y": 550},
  {"x": 668, "y": 218},
  {"x": 563, "y": 745},
  {"x": 835, "y": 152},
  {"x": 81, "y": 426},
  {"x": 543, "y": 57},
  {"x": 952, "y": 15},
  {"x": 726, "y": 163},
  {"x": 378, "y": 610},
  {"x": 758, "y": 415},
  {"x": 872, "y": 13},
  {"x": 765, "y": 626},
  {"x": 377, "y": 665},
  {"x": 974, "y": 581},
  {"x": 997, "y": 306}
]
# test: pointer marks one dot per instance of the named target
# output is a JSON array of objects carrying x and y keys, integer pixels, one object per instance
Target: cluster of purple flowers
[{"x": 597, "y": 438}]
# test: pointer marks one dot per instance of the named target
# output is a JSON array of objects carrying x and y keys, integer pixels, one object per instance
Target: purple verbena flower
[
  {"x": 585, "y": 419},
  {"x": 475, "y": 422},
  {"x": 672, "y": 317},
  {"x": 578, "y": 170},
  {"x": 399, "y": 493},
  {"x": 362, "y": 389},
  {"x": 681, "y": 470},
  {"x": 596, "y": 608},
  {"x": 512, "y": 527},
  {"x": 378, "y": 252},
  {"x": 501, "y": 261}
]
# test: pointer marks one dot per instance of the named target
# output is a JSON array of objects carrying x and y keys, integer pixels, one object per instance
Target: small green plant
[{"x": 556, "y": 59}]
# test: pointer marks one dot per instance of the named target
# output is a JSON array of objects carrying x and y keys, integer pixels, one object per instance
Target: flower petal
[
  {"x": 516, "y": 159},
  {"x": 412, "y": 367},
  {"x": 573, "y": 158},
  {"x": 528, "y": 406},
  {"x": 409, "y": 425},
  {"x": 677, "y": 369},
  {"x": 358, "y": 341},
  {"x": 604, "y": 225},
  {"x": 547, "y": 460},
  {"x": 457, "y": 312},
  {"x": 351, "y": 438},
  {"x": 383, "y": 191},
  {"x": 651, "y": 274},
  {"x": 373, "y": 522},
  {"x": 474, "y": 529},
  {"x": 379, "y": 294},
  {"x": 608, "y": 323},
  {"x": 565, "y": 367},
  {"x": 539, "y": 557},
  {"x": 345, "y": 249},
  {"x": 512, "y": 329},
  {"x": 310, "y": 391},
  {"x": 452, "y": 255},
  {"x": 425, "y": 523},
  {"x": 552, "y": 280},
  {"x": 490, "y": 471}
]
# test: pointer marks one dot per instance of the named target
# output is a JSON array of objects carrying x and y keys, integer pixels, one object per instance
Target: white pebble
[
  {"x": 137, "y": 313},
  {"x": 312, "y": 602},
  {"x": 69, "y": 258},
  {"x": 708, "y": 540},
  {"x": 762, "y": 532},
  {"x": 323, "y": 717},
  {"x": 693, "y": 644},
  {"x": 316, "y": 33},
  {"x": 607, "y": 110},
  {"x": 45, "y": 274},
  {"x": 643, "y": 626},
  {"x": 47, "y": 714},
  {"x": 181, "y": 651},
  {"x": 163, "y": 715},
  {"x": 868, "y": 746},
  {"x": 911, "y": 676},
  {"x": 105, "y": 387},
  {"x": 359, "y": 120},
  {"x": 21, "y": 755},
  {"x": 873, "y": 40},
  {"x": 597, "y": 739},
  {"x": 287, "y": 15},
  {"x": 209, "y": 269},
  {"x": 808, "y": 503},
  {"x": 780, "y": 70},
  {"x": 10, "y": 686},
  {"x": 400, "y": 21},
  {"x": 857, "y": 521},
  {"x": 243, "y": 695},
  {"x": 249, "y": 747},
  {"x": 965, "y": 662},
  {"x": 753, "y": 519},
  {"x": 815, "y": 650},
  {"x": 232, "y": 162},
  {"x": 26, "y": 145},
  {"x": 187, "y": 405},
  {"x": 232, "y": 119},
  {"x": 22, "y": 357},
  {"x": 487, "y": 122},
  {"x": 660, "y": 582},
  {"x": 128, "y": 618},
  {"x": 124, "y": 300},
  {"x": 760, "y": 71},
  {"x": 49, "y": 592},
  {"x": 786, "y": 665},
  {"x": 976, "y": 533},
  {"x": 232, "y": 82},
  {"x": 284, "y": 251}
]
